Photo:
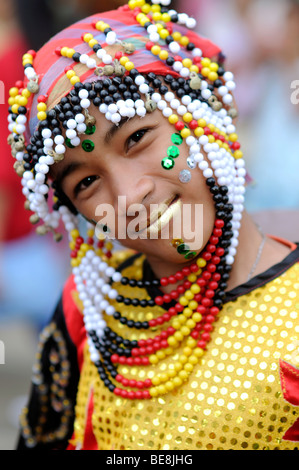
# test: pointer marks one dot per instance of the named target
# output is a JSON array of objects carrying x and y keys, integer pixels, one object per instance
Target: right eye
[{"x": 85, "y": 183}]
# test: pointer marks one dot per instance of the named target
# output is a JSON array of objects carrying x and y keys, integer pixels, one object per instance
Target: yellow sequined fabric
[{"x": 232, "y": 401}]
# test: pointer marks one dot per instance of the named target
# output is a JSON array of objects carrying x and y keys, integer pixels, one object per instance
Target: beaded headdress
[{"x": 130, "y": 62}]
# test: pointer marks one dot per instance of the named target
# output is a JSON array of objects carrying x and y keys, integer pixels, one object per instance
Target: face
[{"x": 121, "y": 183}]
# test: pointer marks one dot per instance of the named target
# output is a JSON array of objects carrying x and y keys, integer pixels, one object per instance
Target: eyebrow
[
  {"x": 114, "y": 129},
  {"x": 68, "y": 170}
]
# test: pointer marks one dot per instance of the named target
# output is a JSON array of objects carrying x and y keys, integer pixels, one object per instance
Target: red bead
[
  {"x": 206, "y": 275},
  {"x": 210, "y": 293},
  {"x": 216, "y": 277},
  {"x": 125, "y": 382},
  {"x": 132, "y": 383},
  {"x": 187, "y": 284},
  {"x": 149, "y": 350},
  {"x": 166, "y": 317},
  {"x": 124, "y": 393},
  {"x": 119, "y": 378},
  {"x": 186, "y": 271},
  {"x": 174, "y": 294},
  {"x": 219, "y": 223},
  {"x": 117, "y": 391},
  {"x": 202, "y": 344},
  {"x": 178, "y": 58},
  {"x": 206, "y": 302},
  {"x": 32, "y": 52},
  {"x": 207, "y": 131},
  {"x": 164, "y": 281},
  {"x": 146, "y": 394},
  {"x": 122, "y": 360},
  {"x": 201, "y": 309},
  {"x": 139, "y": 384},
  {"x": 164, "y": 335},
  {"x": 160, "y": 321},
  {"x": 142, "y": 343},
  {"x": 207, "y": 256},
  {"x": 149, "y": 45},
  {"x": 211, "y": 248},
  {"x": 179, "y": 307},
  {"x": 58, "y": 51},
  {"x": 217, "y": 232},
  {"x": 167, "y": 298},
  {"x": 193, "y": 124},
  {"x": 214, "y": 311},
  {"x": 201, "y": 282},
  {"x": 179, "y": 126},
  {"x": 118, "y": 55},
  {"x": 152, "y": 323},
  {"x": 137, "y": 361},
  {"x": 236, "y": 146},
  {"x": 195, "y": 334},
  {"x": 208, "y": 328},
  {"x": 159, "y": 300},
  {"x": 73, "y": 254},
  {"x": 213, "y": 285},
  {"x": 220, "y": 251},
  {"x": 216, "y": 259},
  {"x": 179, "y": 276},
  {"x": 198, "y": 297},
  {"x": 148, "y": 383},
  {"x": 164, "y": 344},
  {"x": 114, "y": 358},
  {"x": 131, "y": 395},
  {"x": 211, "y": 268},
  {"x": 214, "y": 240},
  {"x": 172, "y": 280},
  {"x": 42, "y": 99},
  {"x": 144, "y": 361},
  {"x": 197, "y": 60},
  {"x": 171, "y": 330},
  {"x": 130, "y": 361},
  {"x": 180, "y": 289},
  {"x": 209, "y": 319},
  {"x": 206, "y": 337}
]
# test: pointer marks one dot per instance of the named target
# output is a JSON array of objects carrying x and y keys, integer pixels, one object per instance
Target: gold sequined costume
[{"x": 243, "y": 395}]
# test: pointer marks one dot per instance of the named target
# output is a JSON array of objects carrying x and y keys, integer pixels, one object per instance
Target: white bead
[
  {"x": 21, "y": 119},
  {"x": 83, "y": 94},
  {"x": 139, "y": 80},
  {"x": 116, "y": 277},
  {"x": 76, "y": 141},
  {"x": 71, "y": 124},
  {"x": 185, "y": 72},
  {"x": 203, "y": 165},
  {"x": 112, "y": 108},
  {"x": 191, "y": 23},
  {"x": 177, "y": 66},
  {"x": 43, "y": 189},
  {"x": 208, "y": 173},
  {"x": 79, "y": 118},
  {"x": 141, "y": 112},
  {"x": 71, "y": 133},
  {"x": 227, "y": 99},
  {"x": 84, "y": 58},
  {"x": 91, "y": 63},
  {"x": 156, "y": 97},
  {"x": 144, "y": 88},
  {"x": 182, "y": 110},
  {"x": 85, "y": 103},
  {"x": 206, "y": 94},
  {"x": 111, "y": 38},
  {"x": 60, "y": 149},
  {"x": 43, "y": 168},
  {"x": 154, "y": 37},
  {"x": 107, "y": 59},
  {"x": 48, "y": 143},
  {"x": 81, "y": 128},
  {"x": 174, "y": 47},
  {"x": 103, "y": 108},
  {"x": 116, "y": 118},
  {"x": 167, "y": 112},
  {"x": 228, "y": 76},
  {"x": 175, "y": 103}
]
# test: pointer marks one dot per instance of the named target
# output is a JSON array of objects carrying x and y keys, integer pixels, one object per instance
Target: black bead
[
  {"x": 127, "y": 301},
  {"x": 76, "y": 57},
  {"x": 210, "y": 181},
  {"x": 135, "y": 302}
]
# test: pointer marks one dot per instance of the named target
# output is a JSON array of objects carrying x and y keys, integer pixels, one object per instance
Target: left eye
[{"x": 136, "y": 137}]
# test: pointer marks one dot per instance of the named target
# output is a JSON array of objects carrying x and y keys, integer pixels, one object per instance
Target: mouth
[{"x": 162, "y": 217}]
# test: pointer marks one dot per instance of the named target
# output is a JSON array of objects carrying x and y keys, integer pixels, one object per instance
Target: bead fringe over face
[{"x": 194, "y": 93}]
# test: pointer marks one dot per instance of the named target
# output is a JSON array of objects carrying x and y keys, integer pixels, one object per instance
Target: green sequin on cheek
[
  {"x": 173, "y": 152},
  {"x": 177, "y": 139},
  {"x": 90, "y": 130},
  {"x": 69, "y": 144},
  {"x": 168, "y": 163},
  {"x": 88, "y": 145}
]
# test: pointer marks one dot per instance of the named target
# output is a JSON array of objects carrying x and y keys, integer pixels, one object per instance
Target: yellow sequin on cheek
[{"x": 232, "y": 400}]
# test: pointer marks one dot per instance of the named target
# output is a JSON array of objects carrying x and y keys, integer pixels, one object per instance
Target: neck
[{"x": 249, "y": 251}]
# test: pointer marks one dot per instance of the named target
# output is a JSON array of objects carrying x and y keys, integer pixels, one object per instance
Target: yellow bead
[
  {"x": 178, "y": 366},
  {"x": 72, "y": 245},
  {"x": 164, "y": 377},
  {"x": 13, "y": 91},
  {"x": 187, "y": 117},
  {"x": 166, "y": 17},
  {"x": 193, "y": 360},
  {"x": 191, "y": 342},
  {"x": 199, "y": 131},
  {"x": 26, "y": 93},
  {"x": 201, "y": 262},
  {"x": 233, "y": 137},
  {"x": 187, "y": 312},
  {"x": 90, "y": 233},
  {"x": 184, "y": 41},
  {"x": 99, "y": 25},
  {"x": 92, "y": 43},
  {"x": 195, "y": 289},
  {"x": 80, "y": 254},
  {"x": 182, "y": 319},
  {"x": 153, "y": 392},
  {"x": 64, "y": 51},
  {"x": 238, "y": 154},
  {"x": 190, "y": 324},
  {"x": 172, "y": 341},
  {"x": 143, "y": 20},
  {"x": 157, "y": 16},
  {"x": 70, "y": 53},
  {"x": 84, "y": 247},
  {"x": 189, "y": 295},
  {"x": 75, "y": 233},
  {"x": 176, "y": 324},
  {"x": 23, "y": 101},
  {"x": 177, "y": 381},
  {"x": 194, "y": 68},
  {"x": 171, "y": 373},
  {"x": 193, "y": 305},
  {"x": 159, "y": 27},
  {"x": 213, "y": 76},
  {"x": 153, "y": 359},
  {"x": 202, "y": 122},
  {"x": 160, "y": 354},
  {"x": 211, "y": 139},
  {"x": 183, "y": 359},
  {"x": 185, "y": 330},
  {"x": 164, "y": 33},
  {"x": 183, "y": 301},
  {"x": 169, "y": 386},
  {"x": 205, "y": 71},
  {"x": 11, "y": 101},
  {"x": 187, "y": 63},
  {"x": 205, "y": 62},
  {"x": 146, "y": 8},
  {"x": 178, "y": 336},
  {"x": 185, "y": 133},
  {"x": 129, "y": 65},
  {"x": 188, "y": 367},
  {"x": 41, "y": 107},
  {"x": 27, "y": 56},
  {"x": 162, "y": 390},
  {"x": 214, "y": 67},
  {"x": 123, "y": 60},
  {"x": 74, "y": 80},
  {"x": 156, "y": 381},
  {"x": 163, "y": 55},
  {"x": 198, "y": 352},
  {"x": 187, "y": 351},
  {"x": 173, "y": 119},
  {"x": 109, "y": 246},
  {"x": 192, "y": 278},
  {"x": 183, "y": 374},
  {"x": 140, "y": 3},
  {"x": 156, "y": 8},
  {"x": 156, "y": 50},
  {"x": 42, "y": 116},
  {"x": 176, "y": 36},
  {"x": 75, "y": 263},
  {"x": 197, "y": 317}
]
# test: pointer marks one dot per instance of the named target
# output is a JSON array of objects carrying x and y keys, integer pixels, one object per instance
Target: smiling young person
[{"x": 188, "y": 337}]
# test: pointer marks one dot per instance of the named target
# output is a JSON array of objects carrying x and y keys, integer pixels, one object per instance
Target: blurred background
[{"x": 260, "y": 39}]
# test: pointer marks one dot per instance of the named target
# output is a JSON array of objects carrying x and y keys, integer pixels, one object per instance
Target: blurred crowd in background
[{"x": 261, "y": 41}]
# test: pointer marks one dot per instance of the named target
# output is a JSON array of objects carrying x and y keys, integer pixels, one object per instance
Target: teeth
[{"x": 155, "y": 228}]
